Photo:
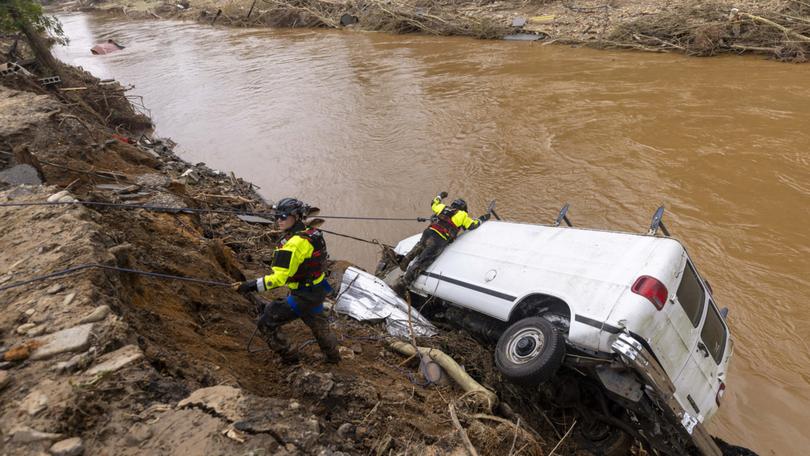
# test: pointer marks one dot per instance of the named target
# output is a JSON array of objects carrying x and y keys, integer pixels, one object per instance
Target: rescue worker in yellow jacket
[
  {"x": 299, "y": 263},
  {"x": 446, "y": 223}
]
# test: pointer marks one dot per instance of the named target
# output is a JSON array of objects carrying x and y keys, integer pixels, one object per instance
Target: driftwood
[
  {"x": 779, "y": 27},
  {"x": 464, "y": 437},
  {"x": 452, "y": 368}
]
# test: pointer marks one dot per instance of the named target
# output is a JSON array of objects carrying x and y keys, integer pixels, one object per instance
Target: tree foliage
[{"x": 15, "y": 14}]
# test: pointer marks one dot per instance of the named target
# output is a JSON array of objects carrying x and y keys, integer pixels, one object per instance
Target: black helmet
[
  {"x": 459, "y": 204},
  {"x": 290, "y": 206}
]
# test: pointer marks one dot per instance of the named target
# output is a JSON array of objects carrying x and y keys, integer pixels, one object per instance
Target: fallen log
[{"x": 452, "y": 368}]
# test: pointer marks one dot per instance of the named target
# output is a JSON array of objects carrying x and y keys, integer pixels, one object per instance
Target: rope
[
  {"x": 83, "y": 267},
  {"x": 373, "y": 241},
  {"x": 200, "y": 211}
]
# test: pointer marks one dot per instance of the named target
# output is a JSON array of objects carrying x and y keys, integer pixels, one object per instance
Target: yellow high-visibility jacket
[
  {"x": 447, "y": 225},
  {"x": 296, "y": 262}
]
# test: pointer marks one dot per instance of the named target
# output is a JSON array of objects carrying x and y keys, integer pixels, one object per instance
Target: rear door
[
  {"x": 711, "y": 350},
  {"x": 686, "y": 318}
]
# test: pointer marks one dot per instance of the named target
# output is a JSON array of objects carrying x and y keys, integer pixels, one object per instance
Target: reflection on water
[{"x": 372, "y": 124}]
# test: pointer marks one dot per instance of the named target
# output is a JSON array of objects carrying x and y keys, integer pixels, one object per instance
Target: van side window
[
  {"x": 691, "y": 294},
  {"x": 714, "y": 334}
]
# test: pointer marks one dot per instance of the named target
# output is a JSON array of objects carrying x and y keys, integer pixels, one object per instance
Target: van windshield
[{"x": 691, "y": 294}]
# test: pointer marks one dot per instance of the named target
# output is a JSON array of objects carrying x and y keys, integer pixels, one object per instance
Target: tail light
[
  {"x": 720, "y": 392},
  {"x": 652, "y": 289}
]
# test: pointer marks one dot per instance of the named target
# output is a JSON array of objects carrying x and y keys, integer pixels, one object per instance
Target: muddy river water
[{"x": 374, "y": 124}]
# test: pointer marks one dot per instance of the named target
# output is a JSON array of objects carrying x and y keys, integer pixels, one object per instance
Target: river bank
[{"x": 779, "y": 29}]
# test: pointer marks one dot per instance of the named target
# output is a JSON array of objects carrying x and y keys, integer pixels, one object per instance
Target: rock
[
  {"x": 24, "y": 434},
  {"x": 24, "y": 328},
  {"x": 30, "y": 312},
  {"x": 98, "y": 314},
  {"x": 55, "y": 288},
  {"x": 68, "y": 299},
  {"x": 67, "y": 199},
  {"x": 138, "y": 433},
  {"x": 77, "y": 362},
  {"x": 67, "y": 340},
  {"x": 311, "y": 383},
  {"x": 345, "y": 430},
  {"x": 222, "y": 399},
  {"x": 37, "y": 331},
  {"x": 55, "y": 197},
  {"x": 111, "y": 362},
  {"x": 346, "y": 352},
  {"x": 40, "y": 318},
  {"x": 34, "y": 403},
  {"x": 152, "y": 180},
  {"x": 68, "y": 447},
  {"x": 5, "y": 379},
  {"x": 20, "y": 174}
]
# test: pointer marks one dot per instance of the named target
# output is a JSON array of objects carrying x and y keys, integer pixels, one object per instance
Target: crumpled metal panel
[{"x": 365, "y": 297}]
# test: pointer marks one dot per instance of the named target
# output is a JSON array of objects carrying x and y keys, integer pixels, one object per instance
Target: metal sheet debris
[{"x": 367, "y": 298}]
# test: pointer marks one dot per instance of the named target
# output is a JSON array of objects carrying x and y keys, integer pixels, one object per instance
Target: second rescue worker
[
  {"x": 299, "y": 262},
  {"x": 446, "y": 224}
]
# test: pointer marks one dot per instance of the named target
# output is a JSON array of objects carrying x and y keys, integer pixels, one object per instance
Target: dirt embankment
[
  {"x": 777, "y": 28},
  {"x": 113, "y": 363}
]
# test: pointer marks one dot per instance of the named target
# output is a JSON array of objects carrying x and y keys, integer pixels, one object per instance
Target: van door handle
[{"x": 702, "y": 348}]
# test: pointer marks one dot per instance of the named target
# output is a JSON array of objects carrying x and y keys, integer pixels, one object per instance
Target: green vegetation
[{"x": 15, "y": 15}]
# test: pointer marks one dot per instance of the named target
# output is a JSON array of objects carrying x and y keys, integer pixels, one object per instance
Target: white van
[{"x": 630, "y": 310}]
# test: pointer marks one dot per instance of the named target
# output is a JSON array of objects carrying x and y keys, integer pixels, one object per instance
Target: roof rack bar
[
  {"x": 563, "y": 216},
  {"x": 658, "y": 222}
]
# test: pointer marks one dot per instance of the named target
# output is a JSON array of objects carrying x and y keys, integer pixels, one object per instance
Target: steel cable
[{"x": 83, "y": 267}]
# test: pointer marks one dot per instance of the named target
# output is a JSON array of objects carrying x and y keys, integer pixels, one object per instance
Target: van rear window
[
  {"x": 691, "y": 295},
  {"x": 714, "y": 334}
]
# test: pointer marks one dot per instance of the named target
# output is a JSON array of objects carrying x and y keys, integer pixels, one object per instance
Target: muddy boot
[
  {"x": 279, "y": 344},
  {"x": 327, "y": 342}
]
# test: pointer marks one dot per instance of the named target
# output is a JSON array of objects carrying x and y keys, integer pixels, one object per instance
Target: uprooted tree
[{"x": 27, "y": 17}]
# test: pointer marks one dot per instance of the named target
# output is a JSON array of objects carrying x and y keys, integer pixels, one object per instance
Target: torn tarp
[{"x": 366, "y": 297}]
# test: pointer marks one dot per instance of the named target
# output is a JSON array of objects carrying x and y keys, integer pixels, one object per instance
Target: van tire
[{"x": 530, "y": 351}]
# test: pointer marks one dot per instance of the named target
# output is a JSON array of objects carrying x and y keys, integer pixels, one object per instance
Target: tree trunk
[{"x": 38, "y": 44}]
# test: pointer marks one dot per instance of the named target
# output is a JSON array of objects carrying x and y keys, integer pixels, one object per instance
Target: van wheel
[{"x": 530, "y": 351}]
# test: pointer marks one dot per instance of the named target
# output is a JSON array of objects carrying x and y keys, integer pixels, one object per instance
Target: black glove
[
  {"x": 442, "y": 195},
  {"x": 484, "y": 217},
  {"x": 247, "y": 286}
]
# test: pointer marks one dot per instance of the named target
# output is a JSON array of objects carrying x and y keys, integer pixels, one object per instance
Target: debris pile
[{"x": 704, "y": 29}]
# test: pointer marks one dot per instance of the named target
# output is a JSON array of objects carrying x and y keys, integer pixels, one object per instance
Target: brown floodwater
[{"x": 374, "y": 124}]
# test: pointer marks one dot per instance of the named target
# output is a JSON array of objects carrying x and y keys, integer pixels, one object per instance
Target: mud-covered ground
[
  {"x": 116, "y": 363},
  {"x": 777, "y": 28}
]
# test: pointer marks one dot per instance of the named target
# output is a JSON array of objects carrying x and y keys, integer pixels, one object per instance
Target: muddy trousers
[
  {"x": 306, "y": 304},
  {"x": 429, "y": 247}
]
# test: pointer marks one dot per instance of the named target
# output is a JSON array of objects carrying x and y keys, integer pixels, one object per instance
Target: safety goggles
[{"x": 281, "y": 216}]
